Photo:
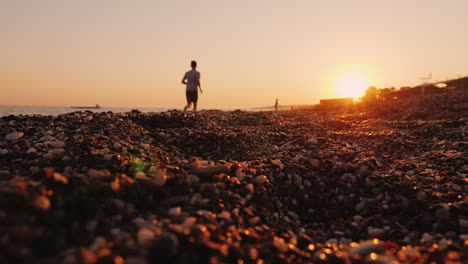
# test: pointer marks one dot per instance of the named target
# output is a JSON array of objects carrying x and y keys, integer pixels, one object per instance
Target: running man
[{"x": 192, "y": 80}]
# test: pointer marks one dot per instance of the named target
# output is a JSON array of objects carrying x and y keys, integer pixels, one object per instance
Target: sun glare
[{"x": 352, "y": 84}]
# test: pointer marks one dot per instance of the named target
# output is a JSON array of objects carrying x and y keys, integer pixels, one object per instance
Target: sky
[{"x": 249, "y": 52}]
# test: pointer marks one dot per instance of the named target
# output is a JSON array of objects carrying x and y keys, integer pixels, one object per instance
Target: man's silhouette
[{"x": 192, "y": 80}]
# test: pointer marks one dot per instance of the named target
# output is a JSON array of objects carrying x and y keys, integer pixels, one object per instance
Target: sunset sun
[{"x": 352, "y": 84}]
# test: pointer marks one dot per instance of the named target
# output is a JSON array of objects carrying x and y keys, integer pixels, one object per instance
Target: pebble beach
[{"x": 378, "y": 183}]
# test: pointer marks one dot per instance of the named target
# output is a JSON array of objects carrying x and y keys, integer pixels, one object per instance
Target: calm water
[{"x": 6, "y": 110}]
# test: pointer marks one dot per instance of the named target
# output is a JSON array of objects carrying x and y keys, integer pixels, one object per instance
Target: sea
[{"x": 6, "y": 110}]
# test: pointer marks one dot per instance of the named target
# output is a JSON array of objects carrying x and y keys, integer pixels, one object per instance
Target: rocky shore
[{"x": 372, "y": 185}]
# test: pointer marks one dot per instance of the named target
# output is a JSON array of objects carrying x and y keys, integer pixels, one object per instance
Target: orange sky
[{"x": 134, "y": 53}]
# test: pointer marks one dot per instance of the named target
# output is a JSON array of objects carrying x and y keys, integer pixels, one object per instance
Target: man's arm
[
  {"x": 184, "y": 79},
  {"x": 199, "y": 86}
]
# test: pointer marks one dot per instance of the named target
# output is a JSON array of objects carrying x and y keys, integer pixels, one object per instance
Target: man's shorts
[{"x": 192, "y": 96}]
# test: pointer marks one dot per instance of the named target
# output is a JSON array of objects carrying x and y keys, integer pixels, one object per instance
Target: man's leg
[
  {"x": 187, "y": 106},
  {"x": 194, "y": 107}
]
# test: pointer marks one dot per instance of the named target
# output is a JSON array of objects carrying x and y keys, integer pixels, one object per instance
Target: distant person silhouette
[
  {"x": 192, "y": 81},
  {"x": 276, "y": 105}
]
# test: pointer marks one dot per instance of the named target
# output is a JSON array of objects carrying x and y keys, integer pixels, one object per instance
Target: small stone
[
  {"x": 87, "y": 257},
  {"x": 145, "y": 236},
  {"x": 115, "y": 185},
  {"x": 225, "y": 215},
  {"x": 426, "y": 238},
  {"x": 278, "y": 163},
  {"x": 250, "y": 187},
  {"x": 160, "y": 177},
  {"x": 57, "y": 144},
  {"x": 240, "y": 174},
  {"x": 371, "y": 183},
  {"x": 57, "y": 152},
  {"x": 280, "y": 244},
  {"x": 145, "y": 146},
  {"x": 261, "y": 179},
  {"x": 254, "y": 220},
  {"x": 93, "y": 173},
  {"x": 60, "y": 178},
  {"x": 312, "y": 141},
  {"x": 366, "y": 247},
  {"x": 31, "y": 150},
  {"x": 99, "y": 243},
  {"x": 175, "y": 211},
  {"x": 375, "y": 232},
  {"x": 360, "y": 206},
  {"x": 41, "y": 202},
  {"x": 293, "y": 215},
  {"x": 140, "y": 175},
  {"x": 152, "y": 169},
  {"x": 14, "y": 136},
  {"x": 315, "y": 163},
  {"x": 192, "y": 179}
]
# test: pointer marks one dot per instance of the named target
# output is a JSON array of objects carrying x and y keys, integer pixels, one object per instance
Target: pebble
[
  {"x": 14, "y": 136},
  {"x": 225, "y": 215},
  {"x": 376, "y": 232},
  {"x": 175, "y": 211},
  {"x": 93, "y": 173},
  {"x": 41, "y": 202},
  {"x": 145, "y": 237},
  {"x": 360, "y": 205},
  {"x": 60, "y": 178},
  {"x": 315, "y": 163},
  {"x": 192, "y": 179},
  {"x": 140, "y": 175},
  {"x": 261, "y": 179},
  {"x": 160, "y": 177},
  {"x": 366, "y": 247},
  {"x": 57, "y": 144},
  {"x": 426, "y": 238},
  {"x": 250, "y": 187},
  {"x": 31, "y": 150}
]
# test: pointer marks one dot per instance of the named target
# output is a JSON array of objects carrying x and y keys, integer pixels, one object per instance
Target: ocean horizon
[{"x": 6, "y": 110}]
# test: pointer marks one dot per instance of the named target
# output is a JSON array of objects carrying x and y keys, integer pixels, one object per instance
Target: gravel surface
[{"x": 379, "y": 183}]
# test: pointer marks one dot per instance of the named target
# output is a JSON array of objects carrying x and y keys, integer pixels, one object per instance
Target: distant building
[
  {"x": 338, "y": 102},
  {"x": 460, "y": 83}
]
